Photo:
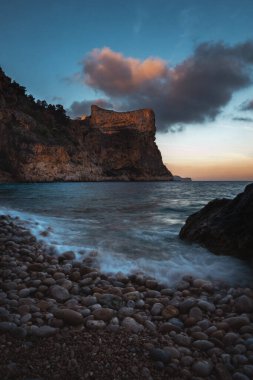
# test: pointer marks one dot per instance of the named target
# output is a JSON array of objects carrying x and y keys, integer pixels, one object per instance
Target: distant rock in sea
[
  {"x": 224, "y": 226},
  {"x": 40, "y": 143},
  {"x": 182, "y": 179}
]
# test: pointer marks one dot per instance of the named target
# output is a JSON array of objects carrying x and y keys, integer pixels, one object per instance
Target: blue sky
[{"x": 43, "y": 43}]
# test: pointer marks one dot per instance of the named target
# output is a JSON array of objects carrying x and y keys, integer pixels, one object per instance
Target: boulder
[{"x": 224, "y": 226}]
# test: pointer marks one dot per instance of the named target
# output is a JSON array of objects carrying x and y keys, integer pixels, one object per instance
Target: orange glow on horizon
[{"x": 229, "y": 171}]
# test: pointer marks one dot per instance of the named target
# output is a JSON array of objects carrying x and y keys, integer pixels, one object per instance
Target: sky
[{"x": 189, "y": 60}]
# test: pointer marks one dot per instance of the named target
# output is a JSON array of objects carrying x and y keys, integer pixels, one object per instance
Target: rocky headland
[
  {"x": 40, "y": 143},
  {"x": 62, "y": 318},
  {"x": 224, "y": 226}
]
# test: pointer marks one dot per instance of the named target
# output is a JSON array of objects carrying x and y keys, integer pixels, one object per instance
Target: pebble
[
  {"x": 237, "y": 322},
  {"x": 95, "y": 325},
  {"x": 243, "y": 304},
  {"x": 182, "y": 340},
  {"x": 160, "y": 355},
  {"x": 156, "y": 308},
  {"x": 206, "y": 306},
  {"x": 170, "y": 311},
  {"x": 104, "y": 314},
  {"x": 203, "y": 344},
  {"x": 110, "y": 300},
  {"x": 59, "y": 293},
  {"x": 69, "y": 316},
  {"x": 240, "y": 376},
  {"x": 131, "y": 325},
  {"x": 196, "y": 313},
  {"x": 43, "y": 331},
  {"x": 203, "y": 368}
]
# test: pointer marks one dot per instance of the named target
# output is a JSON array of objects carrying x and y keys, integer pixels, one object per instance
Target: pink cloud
[{"x": 193, "y": 91}]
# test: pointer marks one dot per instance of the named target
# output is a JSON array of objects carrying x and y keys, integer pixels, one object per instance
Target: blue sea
[{"x": 129, "y": 226}]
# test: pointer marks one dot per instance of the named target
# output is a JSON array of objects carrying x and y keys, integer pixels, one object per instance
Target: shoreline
[{"x": 193, "y": 329}]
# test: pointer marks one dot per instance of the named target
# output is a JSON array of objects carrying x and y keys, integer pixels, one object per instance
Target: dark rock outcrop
[
  {"x": 39, "y": 143},
  {"x": 224, "y": 226}
]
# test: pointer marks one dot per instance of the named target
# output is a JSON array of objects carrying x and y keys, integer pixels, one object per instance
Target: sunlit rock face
[{"x": 40, "y": 143}]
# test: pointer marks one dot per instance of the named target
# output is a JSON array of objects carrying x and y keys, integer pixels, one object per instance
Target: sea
[{"x": 128, "y": 226}]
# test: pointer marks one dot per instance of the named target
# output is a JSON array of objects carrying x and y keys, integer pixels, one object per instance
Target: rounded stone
[
  {"x": 160, "y": 355},
  {"x": 157, "y": 308},
  {"x": 131, "y": 325},
  {"x": 170, "y": 311},
  {"x": 59, "y": 293},
  {"x": 240, "y": 376},
  {"x": 243, "y": 304},
  {"x": 95, "y": 325},
  {"x": 202, "y": 368},
  {"x": 206, "y": 306},
  {"x": 196, "y": 313},
  {"x": 104, "y": 314},
  {"x": 187, "y": 304},
  {"x": 69, "y": 316},
  {"x": 203, "y": 345}
]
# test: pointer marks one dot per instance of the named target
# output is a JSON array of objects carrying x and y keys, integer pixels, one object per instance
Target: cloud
[
  {"x": 247, "y": 106},
  {"x": 193, "y": 91},
  {"x": 78, "y": 109},
  {"x": 116, "y": 75},
  {"x": 244, "y": 119}
]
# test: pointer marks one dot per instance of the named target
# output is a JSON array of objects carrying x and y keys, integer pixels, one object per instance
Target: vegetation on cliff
[{"x": 39, "y": 142}]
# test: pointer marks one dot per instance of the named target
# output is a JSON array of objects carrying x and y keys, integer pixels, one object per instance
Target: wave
[{"x": 171, "y": 260}]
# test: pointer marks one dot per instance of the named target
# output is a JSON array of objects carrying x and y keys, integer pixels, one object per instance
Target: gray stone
[
  {"x": 173, "y": 352},
  {"x": 7, "y": 326},
  {"x": 206, "y": 306},
  {"x": 248, "y": 370},
  {"x": 187, "y": 361},
  {"x": 26, "y": 318},
  {"x": 236, "y": 322},
  {"x": 182, "y": 340},
  {"x": 160, "y": 355},
  {"x": 131, "y": 325},
  {"x": 203, "y": 367},
  {"x": 203, "y": 345},
  {"x": 43, "y": 331},
  {"x": 244, "y": 304},
  {"x": 196, "y": 313},
  {"x": 69, "y": 316},
  {"x": 110, "y": 300},
  {"x": 230, "y": 338},
  {"x": 59, "y": 293},
  {"x": 126, "y": 311},
  {"x": 95, "y": 325},
  {"x": 157, "y": 308},
  {"x": 104, "y": 314},
  {"x": 240, "y": 376},
  {"x": 3, "y": 312},
  {"x": 150, "y": 325},
  {"x": 24, "y": 293},
  {"x": 168, "y": 327}
]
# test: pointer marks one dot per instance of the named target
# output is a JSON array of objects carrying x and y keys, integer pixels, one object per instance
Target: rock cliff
[
  {"x": 224, "y": 226},
  {"x": 39, "y": 143}
]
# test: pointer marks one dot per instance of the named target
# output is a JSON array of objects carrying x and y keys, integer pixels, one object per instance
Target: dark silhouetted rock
[{"x": 224, "y": 226}]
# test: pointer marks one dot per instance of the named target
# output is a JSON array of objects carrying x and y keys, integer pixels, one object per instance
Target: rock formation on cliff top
[
  {"x": 39, "y": 143},
  {"x": 224, "y": 226}
]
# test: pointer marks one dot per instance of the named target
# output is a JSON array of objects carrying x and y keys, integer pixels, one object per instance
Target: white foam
[{"x": 182, "y": 259}]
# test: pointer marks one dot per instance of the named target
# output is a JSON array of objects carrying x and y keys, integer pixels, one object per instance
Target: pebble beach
[{"x": 62, "y": 318}]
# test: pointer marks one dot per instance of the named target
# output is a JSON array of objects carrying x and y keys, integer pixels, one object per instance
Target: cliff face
[{"x": 40, "y": 143}]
